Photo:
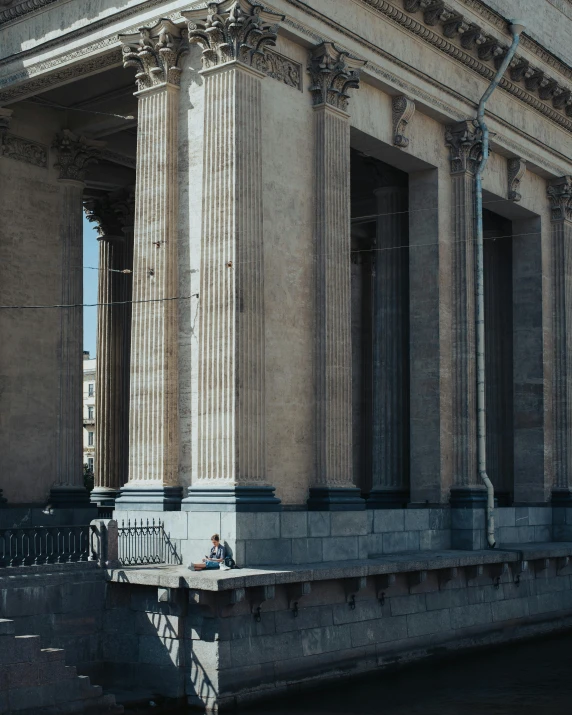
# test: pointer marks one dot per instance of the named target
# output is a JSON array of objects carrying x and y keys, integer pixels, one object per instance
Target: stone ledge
[{"x": 181, "y": 577}]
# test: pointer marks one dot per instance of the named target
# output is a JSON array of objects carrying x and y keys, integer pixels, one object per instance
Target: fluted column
[
  {"x": 390, "y": 440},
  {"x": 560, "y": 195},
  {"x": 464, "y": 143},
  {"x": 333, "y": 73},
  {"x": 157, "y": 54},
  {"x": 113, "y": 325},
  {"x": 74, "y": 155},
  {"x": 231, "y": 473}
]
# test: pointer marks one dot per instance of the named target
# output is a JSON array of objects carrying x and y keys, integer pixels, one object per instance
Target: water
[{"x": 531, "y": 678}]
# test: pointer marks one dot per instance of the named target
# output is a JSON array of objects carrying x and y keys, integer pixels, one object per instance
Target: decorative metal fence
[
  {"x": 44, "y": 545},
  {"x": 143, "y": 543}
]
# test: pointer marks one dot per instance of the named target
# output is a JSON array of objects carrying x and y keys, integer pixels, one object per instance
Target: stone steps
[{"x": 36, "y": 680}]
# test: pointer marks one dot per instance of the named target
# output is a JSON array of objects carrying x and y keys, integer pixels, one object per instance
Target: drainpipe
[{"x": 516, "y": 28}]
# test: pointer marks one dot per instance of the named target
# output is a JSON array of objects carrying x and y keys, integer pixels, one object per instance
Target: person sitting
[{"x": 215, "y": 558}]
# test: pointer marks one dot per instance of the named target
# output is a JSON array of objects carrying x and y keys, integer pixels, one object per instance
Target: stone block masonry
[
  {"x": 36, "y": 681},
  {"x": 218, "y": 639}
]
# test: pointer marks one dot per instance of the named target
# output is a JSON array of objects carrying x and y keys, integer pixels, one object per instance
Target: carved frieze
[
  {"x": 13, "y": 147},
  {"x": 490, "y": 49},
  {"x": 403, "y": 109},
  {"x": 464, "y": 141},
  {"x": 560, "y": 196},
  {"x": 233, "y": 30},
  {"x": 333, "y": 73},
  {"x": 516, "y": 169},
  {"x": 283, "y": 69},
  {"x": 75, "y": 154},
  {"x": 156, "y": 53}
]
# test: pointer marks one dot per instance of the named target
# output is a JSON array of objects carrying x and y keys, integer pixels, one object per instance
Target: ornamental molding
[
  {"x": 283, "y": 69},
  {"x": 402, "y": 110},
  {"x": 233, "y": 31},
  {"x": 516, "y": 169},
  {"x": 333, "y": 73},
  {"x": 464, "y": 141},
  {"x": 156, "y": 53},
  {"x": 22, "y": 8},
  {"x": 20, "y": 149},
  {"x": 75, "y": 154},
  {"x": 560, "y": 195}
]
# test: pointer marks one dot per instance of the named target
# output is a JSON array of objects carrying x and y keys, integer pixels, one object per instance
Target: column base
[
  {"x": 149, "y": 499},
  {"x": 562, "y": 497},
  {"x": 387, "y": 499},
  {"x": 231, "y": 499},
  {"x": 104, "y": 497},
  {"x": 335, "y": 499},
  {"x": 66, "y": 497},
  {"x": 468, "y": 497}
]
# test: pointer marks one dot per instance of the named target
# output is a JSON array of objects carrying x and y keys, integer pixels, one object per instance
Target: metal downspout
[{"x": 516, "y": 28}]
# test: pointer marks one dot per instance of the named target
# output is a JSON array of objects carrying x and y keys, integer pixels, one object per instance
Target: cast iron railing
[
  {"x": 44, "y": 545},
  {"x": 142, "y": 543}
]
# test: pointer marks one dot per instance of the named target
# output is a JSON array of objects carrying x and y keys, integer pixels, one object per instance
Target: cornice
[{"x": 22, "y": 8}]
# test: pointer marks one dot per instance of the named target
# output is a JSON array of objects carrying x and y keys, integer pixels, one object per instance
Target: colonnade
[{"x": 232, "y": 469}]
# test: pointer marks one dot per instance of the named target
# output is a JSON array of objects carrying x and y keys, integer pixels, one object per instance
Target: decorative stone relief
[
  {"x": 22, "y": 8},
  {"x": 516, "y": 168},
  {"x": 234, "y": 30},
  {"x": 333, "y": 72},
  {"x": 464, "y": 141},
  {"x": 156, "y": 53},
  {"x": 403, "y": 109},
  {"x": 283, "y": 69},
  {"x": 30, "y": 152},
  {"x": 75, "y": 154},
  {"x": 560, "y": 194}
]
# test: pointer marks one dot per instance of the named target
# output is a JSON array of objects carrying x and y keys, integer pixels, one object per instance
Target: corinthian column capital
[
  {"x": 464, "y": 141},
  {"x": 234, "y": 30},
  {"x": 333, "y": 72},
  {"x": 75, "y": 154},
  {"x": 113, "y": 213},
  {"x": 560, "y": 194},
  {"x": 156, "y": 53}
]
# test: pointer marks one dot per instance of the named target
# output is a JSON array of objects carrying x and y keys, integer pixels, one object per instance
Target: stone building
[
  {"x": 89, "y": 430},
  {"x": 285, "y": 200}
]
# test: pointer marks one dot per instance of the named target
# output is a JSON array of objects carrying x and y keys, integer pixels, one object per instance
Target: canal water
[{"x": 530, "y": 678}]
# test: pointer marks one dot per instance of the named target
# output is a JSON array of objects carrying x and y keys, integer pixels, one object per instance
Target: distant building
[{"x": 88, "y": 410}]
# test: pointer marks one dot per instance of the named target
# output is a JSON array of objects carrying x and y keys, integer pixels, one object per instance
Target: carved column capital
[
  {"x": 560, "y": 194},
  {"x": 465, "y": 145},
  {"x": 75, "y": 154},
  {"x": 516, "y": 170},
  {"x": 111, "y": 212},
  {"x": 233, "y": 31},
  {"x": 156, "y": 53},
  {"x": 403, "y": 109},
  {"x": 333, "y": 72}
]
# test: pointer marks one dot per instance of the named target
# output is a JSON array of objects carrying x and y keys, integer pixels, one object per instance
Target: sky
[{"x": 90, "y": 261}]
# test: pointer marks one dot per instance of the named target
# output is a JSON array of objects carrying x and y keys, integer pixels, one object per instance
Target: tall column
[
  {"x": 390, "y": 463},
  {"x": 333, "y": 72},
  {"x": 5, "y": 117},
  {"x": 231, "y": 412},
  {"x": 560, "y": 195},
  {"x": 74, "y": 155},
  {"x": 464, "y": 143},
  {"x": 113, "y": 327},
  {"x": 156, "y": 53}
]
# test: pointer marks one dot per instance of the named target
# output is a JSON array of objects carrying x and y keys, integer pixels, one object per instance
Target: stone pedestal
[
  {"x": 390, "y": 439},
  {"x": 154, "y": 428},
  {"x": 231, "y": 405},
  {"x": 560, "y": 195},
  {"x": 333, "y": 73},
  {"x": 74, "y": 155}
]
